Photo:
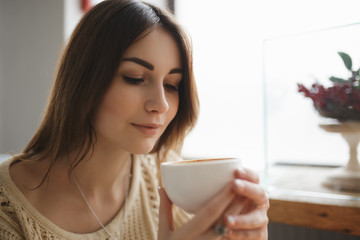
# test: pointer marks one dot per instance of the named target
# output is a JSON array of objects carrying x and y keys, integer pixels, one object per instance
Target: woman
[{"x": 123, "y": 100}]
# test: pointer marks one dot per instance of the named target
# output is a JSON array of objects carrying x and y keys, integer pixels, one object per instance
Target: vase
[{"x": 347, "y": 177}]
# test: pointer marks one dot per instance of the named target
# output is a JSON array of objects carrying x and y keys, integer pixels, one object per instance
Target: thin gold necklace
[{"x": 92, "y": 210}]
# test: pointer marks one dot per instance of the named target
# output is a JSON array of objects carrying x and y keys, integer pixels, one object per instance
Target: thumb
[{"x": 166, "y": 222}]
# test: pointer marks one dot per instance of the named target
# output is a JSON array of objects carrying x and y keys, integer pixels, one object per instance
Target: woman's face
[{"x": 143, "y": 97}]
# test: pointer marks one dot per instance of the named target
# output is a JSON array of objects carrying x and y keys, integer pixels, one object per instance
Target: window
[{"x": 228, "y": 39}]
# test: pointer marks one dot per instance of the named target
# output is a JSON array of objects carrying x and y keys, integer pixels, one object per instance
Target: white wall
[
  {"x": 72, "y": 15},
  {"x": 1, "y": 67},
  {"x": 162, "y": 3},
  {"x": 31, "y": 39}
]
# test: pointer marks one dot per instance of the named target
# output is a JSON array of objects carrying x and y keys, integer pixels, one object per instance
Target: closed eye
[
  {"x": 171, "y": 87},
  {"x": 133, "y": 81}
]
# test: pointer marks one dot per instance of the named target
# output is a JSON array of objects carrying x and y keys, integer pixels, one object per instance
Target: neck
[
  {"x": 103, "y": 171},
  {"x": 105, "y": 181}
]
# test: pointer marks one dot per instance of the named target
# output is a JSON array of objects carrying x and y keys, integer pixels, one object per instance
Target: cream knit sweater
[{"x": 20, "y": 220}]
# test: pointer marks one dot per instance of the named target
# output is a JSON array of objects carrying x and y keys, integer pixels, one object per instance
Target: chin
[{"x": 143, "y": 149}]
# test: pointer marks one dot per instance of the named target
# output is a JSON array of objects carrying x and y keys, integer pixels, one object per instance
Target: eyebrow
[
  {"x": 149, "y": 65},
  {"x": 140, "y": 62}
]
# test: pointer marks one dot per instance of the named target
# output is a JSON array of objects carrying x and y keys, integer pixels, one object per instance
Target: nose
[{"x": 157, "y": 102}]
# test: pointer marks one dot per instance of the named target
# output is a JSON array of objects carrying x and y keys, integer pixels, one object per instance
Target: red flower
[{"x": 340, "y": 101}]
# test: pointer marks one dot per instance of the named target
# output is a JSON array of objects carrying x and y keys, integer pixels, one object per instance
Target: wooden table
[{"x": 298, "y": 198}]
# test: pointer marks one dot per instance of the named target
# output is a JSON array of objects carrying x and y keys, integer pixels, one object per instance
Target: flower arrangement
[{"x": 340, "y": 101}]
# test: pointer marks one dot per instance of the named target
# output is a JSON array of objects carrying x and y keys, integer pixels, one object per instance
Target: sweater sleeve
[{"x": 180, "y": 217}]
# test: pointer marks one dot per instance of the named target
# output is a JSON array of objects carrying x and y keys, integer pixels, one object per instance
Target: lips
[{"x": 148, "y": 129}]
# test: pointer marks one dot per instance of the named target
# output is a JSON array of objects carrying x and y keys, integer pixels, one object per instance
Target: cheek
[
  {"x": 106, "y": 118},
  {"x": 174, "y": 107},
  {"x": 115, "y": 108}
]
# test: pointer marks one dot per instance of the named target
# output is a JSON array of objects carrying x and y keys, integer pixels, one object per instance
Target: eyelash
[
  {"x": 171, "y": 88},
  {"x": 136, "y": 81}
]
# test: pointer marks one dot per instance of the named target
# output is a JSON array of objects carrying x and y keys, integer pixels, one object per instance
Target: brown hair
[{"x": 86, "y": 70}]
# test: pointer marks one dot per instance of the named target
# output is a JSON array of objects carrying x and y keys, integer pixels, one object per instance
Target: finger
[
  {"x": 235, "y": 207},
  {"x": 254, "y": 234},
  {"x": 208, "y": 214},
  {"x": 247, "y": 174},
  {"x": 251, "y": 220},
  {"x": 166, "y": 222},
  {"x": 251, "y": 190},
  {"x": 210, "y": 235}
]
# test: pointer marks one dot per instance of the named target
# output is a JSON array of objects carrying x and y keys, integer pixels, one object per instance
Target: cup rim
[{"x": 200, "y": 161}]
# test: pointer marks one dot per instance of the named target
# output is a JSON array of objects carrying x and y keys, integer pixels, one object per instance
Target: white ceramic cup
[{"x": 192, "y": 183}]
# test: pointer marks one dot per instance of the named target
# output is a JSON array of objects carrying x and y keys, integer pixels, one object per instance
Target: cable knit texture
[{"x": 19, "y": 220}]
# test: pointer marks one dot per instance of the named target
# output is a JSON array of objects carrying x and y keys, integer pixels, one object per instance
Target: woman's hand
[
  {"x": 246, "y": 217},
  {"x": 201, "y": 226},
  {"x": 240, "y": 210}
]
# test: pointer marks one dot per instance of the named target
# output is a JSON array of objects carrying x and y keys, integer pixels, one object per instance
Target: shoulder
[
  {"x": 10, "y": 226},
  {"x": 26, "y": 174},
  {"x": 172, "y": 156},
  {"x": 151, "y": 162},
  {"x": 152, "y": 158},
  {"x": 148, "y": 160}
]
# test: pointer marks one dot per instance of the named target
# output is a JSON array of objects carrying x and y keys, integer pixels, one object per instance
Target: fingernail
[
  {"x": 241, "y": 171},
  {"x": 239, "y": 185},
  {"x": 231, "y": 220}
]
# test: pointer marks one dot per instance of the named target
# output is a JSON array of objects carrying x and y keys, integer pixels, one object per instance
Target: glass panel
[{"x": 292, "y": 132}]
